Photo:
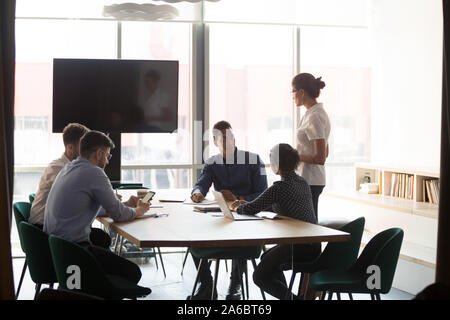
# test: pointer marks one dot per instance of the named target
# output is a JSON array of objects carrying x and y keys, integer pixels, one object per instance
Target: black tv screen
[{"x": 122, "y": 96}]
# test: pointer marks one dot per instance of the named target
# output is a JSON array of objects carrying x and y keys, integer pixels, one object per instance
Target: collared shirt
[
  {"x": 291, "y": 197},
  {"x": 45, "y": 184},
  {"x": 244, "y": 175},
  {"x": 314, "y": 125},
  {"x": 75, "y": 198}
]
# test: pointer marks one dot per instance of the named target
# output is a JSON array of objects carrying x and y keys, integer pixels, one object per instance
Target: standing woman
[{"x": 312, "y": 134}]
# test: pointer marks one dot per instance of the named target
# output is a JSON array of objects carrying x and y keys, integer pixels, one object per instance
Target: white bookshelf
[{"x": 414, "y": 204}]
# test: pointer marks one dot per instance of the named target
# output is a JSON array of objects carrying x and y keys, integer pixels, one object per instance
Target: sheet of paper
[{"x": 204, "y": 202}]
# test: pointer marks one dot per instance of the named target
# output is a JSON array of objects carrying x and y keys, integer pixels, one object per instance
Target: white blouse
[{"x": 314, "y": 125}]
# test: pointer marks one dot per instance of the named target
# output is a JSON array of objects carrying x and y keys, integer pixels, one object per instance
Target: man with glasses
[
  {"x": 82, "y": 190},
  {"x": 238, "y": 175}
]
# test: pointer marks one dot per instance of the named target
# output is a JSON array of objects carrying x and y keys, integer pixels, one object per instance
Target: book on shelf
[
  {"x": 402, "y": 186},
  {"x": 430, "y": 191},
  {"x": 380, "y": 180}
]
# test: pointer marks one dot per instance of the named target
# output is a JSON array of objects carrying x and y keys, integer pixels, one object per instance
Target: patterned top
[{"x": 291, "y": 196}]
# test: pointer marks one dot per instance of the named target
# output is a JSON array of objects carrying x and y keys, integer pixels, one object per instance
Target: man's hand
[
  {"x": 142, "y": 208},
  {"x": 228, "y": 195},
  {"x": 132, "y": 202},
  {"x": 119, "y": 196},
  {"x": 236, "y": 204},
  {"x": 197, "y": 197}
]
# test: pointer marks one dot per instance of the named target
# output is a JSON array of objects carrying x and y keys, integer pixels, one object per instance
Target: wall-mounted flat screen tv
[{"x": 122, "y": 96}]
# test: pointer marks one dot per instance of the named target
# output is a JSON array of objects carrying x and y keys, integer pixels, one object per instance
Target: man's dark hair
[
  {"x": 220, "y": 126},
  {"x": 94, "y": 140},
  {"x": 289, "y": 159},
  {"x": 73, "y": 132}
]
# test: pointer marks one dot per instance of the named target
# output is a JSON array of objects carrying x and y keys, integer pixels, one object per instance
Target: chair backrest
[
  {"x": 383, "y": 251},
  {"x": 342, "y": 255},
  {"x": 31, "y": 197},
  {"x": 67, "y": 253},
  {"x": 21, "y": 212},
  {"x": 39, "y": 259}
]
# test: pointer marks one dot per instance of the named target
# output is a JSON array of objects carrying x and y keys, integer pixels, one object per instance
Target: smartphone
[{"x": 148, "y": 196}]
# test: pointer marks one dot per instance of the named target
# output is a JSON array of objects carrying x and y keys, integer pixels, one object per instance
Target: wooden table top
[{"x": 184, "y": 227}]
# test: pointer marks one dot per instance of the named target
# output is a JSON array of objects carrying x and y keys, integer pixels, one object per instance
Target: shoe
[
  {"x": 234, "y": 291},
  {"x": 203, "y": 292}
]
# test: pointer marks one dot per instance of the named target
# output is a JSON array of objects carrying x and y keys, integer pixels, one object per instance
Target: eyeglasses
[{"x": 109, "y": 156}]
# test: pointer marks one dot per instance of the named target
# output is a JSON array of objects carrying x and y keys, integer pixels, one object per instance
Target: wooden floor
[{"x": 176, "y": 286}]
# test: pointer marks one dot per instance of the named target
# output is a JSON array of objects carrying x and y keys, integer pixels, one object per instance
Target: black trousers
[
  {"x": 205, "y": 271},
  {"x": 315, "y": 192},
  {"x": 110, "y": 262},
  {"x": 269, "y": 276},
  {"x": 100, "y": 238}
]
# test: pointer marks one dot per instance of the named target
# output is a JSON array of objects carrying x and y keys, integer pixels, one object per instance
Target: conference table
[
  {"x": 180, "y": 226},
  {"x": 184, "y": 227}
]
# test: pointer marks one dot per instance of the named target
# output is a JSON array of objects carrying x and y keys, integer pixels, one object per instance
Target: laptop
[{"x": 227, "y": 212}]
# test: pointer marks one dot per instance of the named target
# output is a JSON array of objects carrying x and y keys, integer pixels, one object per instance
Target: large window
[
  {"x": 252, "y": 50},
  {"x": 160, "y": 41},
  {"x": 250, "y": 70},
  {"x": 341, "y": 56},
  {"x": 37, "y": 43}
]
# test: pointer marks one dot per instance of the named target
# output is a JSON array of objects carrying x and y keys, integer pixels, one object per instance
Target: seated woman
[{"x": 291, "y": 196}]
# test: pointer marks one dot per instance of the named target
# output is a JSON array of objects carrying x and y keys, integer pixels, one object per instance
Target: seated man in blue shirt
[
  {"x": 80, "y": 190},
  {"x": 238, "y": 175}
]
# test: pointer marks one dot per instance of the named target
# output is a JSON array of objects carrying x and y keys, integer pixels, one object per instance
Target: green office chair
[
  {"x": 94, "y": 281},
  {"x": 381, "y": 252},
  {"x": 35, "y": 245},
  {"x": 246, "y": 253},
  {"x": 21, "y": 213},
  {"x": 336, "y": 256},
  {"x": 31, "y": 197}
]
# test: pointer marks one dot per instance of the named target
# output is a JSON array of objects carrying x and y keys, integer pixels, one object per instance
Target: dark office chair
[
  {"x": 35, "y": 245},
  {"x": 336, "y": 256},
  {"x": 381, "y": 252},
  {"x": 21, "y": 213},
  {"x": 94, "y": 281}
]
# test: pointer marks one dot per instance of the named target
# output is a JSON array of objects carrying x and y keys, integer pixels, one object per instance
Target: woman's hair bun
[{"x": 320, "y": 83}]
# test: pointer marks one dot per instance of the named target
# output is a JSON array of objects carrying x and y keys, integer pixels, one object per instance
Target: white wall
[{"x": 407, "y": 82}]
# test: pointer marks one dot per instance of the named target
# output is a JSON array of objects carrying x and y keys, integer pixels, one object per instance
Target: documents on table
[
  {"x": 152, "y": 215},
  {"x": 207, "y": 208},
  {"x": 204, "y": 202},
  {"x": 172, "y": 199}
]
